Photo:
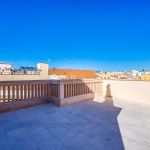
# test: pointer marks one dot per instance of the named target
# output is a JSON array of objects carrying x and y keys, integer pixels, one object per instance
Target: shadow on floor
[{"x": 101, "y": 129}]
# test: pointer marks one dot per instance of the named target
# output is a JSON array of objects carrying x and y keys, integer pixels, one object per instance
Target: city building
[
  {"x": 27, "y": 70},
  {"x": 24, "y": 73},
  {"x": 145, "y": 77},
  {"x": 103, "y": 76},
  {"x": 5, "y": 68},
  {"x": 132, "y": 74},
  {"x": 70, "y": 74},
  {"x": 110, "y": 75}
]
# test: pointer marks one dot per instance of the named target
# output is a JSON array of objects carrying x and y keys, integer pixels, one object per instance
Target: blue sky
[{"x": 101, "y": 35}]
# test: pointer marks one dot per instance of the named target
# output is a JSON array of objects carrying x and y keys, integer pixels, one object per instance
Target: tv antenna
[{"x": 71, "y": 63}]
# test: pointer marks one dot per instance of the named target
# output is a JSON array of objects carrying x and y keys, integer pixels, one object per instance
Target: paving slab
[{"x": 113, "y": 124}]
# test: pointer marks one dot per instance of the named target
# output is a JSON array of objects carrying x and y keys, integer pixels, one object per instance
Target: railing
[
  {"x": 80, "y": 87},
  {"x": 75, "y": 90},
  {"x": 63, "y": 92},
  {"x": 25, "y": 90}
]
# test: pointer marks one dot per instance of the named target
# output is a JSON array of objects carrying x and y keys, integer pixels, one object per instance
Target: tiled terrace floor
[{"x": 107, "y": 125}]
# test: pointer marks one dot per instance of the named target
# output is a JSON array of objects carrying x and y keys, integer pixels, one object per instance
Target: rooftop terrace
[
  {"x": 92, "y": 125},
  {"x": 115, "y": 115}
]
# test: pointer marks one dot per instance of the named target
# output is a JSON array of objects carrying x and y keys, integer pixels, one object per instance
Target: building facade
[
  {"x": 27, "y": 71},
  {"x": 145, "y": 77},
  {"x": 103, "y": 76},
  {"x": 5, "y": 68},
  {"x": 71, "y": 74},
  {"x": 43, "y": 75}
]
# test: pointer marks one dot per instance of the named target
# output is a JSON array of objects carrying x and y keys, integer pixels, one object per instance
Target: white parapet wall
[
  {"x": 138, "y": 91},
  {"x": 42, "y": 76}
]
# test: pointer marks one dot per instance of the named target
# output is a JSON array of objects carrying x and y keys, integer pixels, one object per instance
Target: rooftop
[{"x": 92, "y": 125}]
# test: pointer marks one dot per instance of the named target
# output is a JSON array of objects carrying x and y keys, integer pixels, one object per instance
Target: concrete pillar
[
  {"x": 61, "y": 90},
  {"x": 61, "y": 93}
]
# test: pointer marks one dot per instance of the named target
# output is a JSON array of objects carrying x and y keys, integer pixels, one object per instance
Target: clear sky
[{"x": 101, "y": 35}]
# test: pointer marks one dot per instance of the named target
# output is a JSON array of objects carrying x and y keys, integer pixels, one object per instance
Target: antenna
[{"x": 71, "y": 63}]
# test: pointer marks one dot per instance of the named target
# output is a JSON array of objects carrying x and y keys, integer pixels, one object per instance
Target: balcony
[
  {"x": 18, "y": 94},
  {"x": 97, "y": 123}
]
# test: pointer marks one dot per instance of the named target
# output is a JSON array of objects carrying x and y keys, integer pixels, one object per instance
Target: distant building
[
  {"x": 145, "y": 77},
  {"x": 70, "y": 74},
  {"x": 27, "y": 71},
  {"x": 145, "y": 74},
  {"x": 110, "y": 75},
  {"x": 5, "y": 68},
  {"x": 103, "y": 76}
]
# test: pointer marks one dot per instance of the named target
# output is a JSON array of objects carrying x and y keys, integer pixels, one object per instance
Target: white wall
[
  {"x": 129, "y": 90},
  {"x": 5, "y": 68}
]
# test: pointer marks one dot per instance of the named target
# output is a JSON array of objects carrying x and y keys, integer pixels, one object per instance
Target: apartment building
[
  {"x": 5, "y": 68},
  {"x": 24, "y": 73},
  {"x": 145, "y": 77}
]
